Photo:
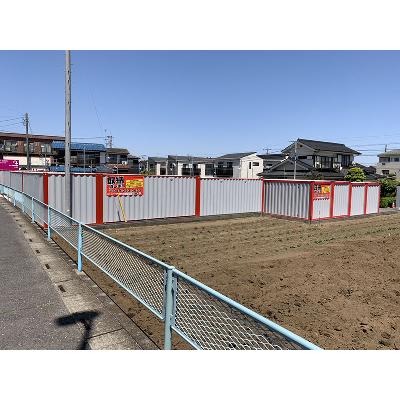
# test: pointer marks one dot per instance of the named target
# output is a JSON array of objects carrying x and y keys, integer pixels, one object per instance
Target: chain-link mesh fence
[
  {"x": 65, "y": 227},
  {"x": 141, "y": 276},
  {"x": 210, "y": 323},
  {"x": 40, "y": 211},
  {"x": 203, "y": 317}
]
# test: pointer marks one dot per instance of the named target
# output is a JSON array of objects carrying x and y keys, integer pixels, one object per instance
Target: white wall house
[
  {"x": 389, "y": 163},
  {"x": 239, "y": 165},
  {"x": 190, "y": 166}
]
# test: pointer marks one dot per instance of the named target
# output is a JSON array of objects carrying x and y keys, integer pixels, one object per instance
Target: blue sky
[{"x": 208, "y": 103}]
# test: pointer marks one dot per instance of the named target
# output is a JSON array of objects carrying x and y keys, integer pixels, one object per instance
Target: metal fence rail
[{"x": 203, "y": 317}]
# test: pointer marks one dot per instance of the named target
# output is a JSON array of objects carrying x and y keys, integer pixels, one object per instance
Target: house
[
  {"x": 120, "y": 161},
  {"x": 313, "y": 159},
  {"x": 190, "y": 166},
  {"x": 83, "y": 155},
  {"x": 269, "y": 160},
  {"x": 239, "y": 165},
  {"x": 13, "y": 147},
  {"x": 389, "y": 163},
  {"x": 156, "y": 165}
]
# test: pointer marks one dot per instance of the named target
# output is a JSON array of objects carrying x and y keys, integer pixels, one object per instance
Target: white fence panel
[
  {"x": 373, "y": 199},
  {"x": 341, "y": 200},
  {"x": 230, "y": 196},
  {"x": 83, "y": 196},
  {"x": 33, "y": 184},
  {"x": 291, "y": 199},
  {"x": 16, "y": 180},
  {"x": 357, "y": 199},
  {"x": 164, "y": 196}
]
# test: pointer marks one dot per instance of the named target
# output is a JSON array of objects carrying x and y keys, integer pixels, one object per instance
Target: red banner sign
[
  {"x": 9, "y": 165},
  {"x": 322, "y": 191},
  {"x": 125, "y": 185}
]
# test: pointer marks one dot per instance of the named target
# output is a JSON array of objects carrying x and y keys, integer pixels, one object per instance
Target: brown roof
[{"x": 12, "y": 135}]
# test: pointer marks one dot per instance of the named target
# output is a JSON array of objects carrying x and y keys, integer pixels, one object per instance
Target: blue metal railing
[{"x": 203, "y": 317}]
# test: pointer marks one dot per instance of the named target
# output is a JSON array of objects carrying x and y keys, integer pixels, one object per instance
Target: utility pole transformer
[
  {"x": 67, "y": 163},
  {"x": 28, "y": 159}
]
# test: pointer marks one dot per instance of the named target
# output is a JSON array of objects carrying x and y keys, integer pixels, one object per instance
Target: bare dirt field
[{"x": 335, "y": 283}]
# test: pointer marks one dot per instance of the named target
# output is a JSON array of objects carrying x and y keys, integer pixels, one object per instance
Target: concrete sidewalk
[{"x": 46, "y": 304}]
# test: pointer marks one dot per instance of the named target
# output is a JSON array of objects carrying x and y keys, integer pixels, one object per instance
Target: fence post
[
  {"x": 33, "y": 211},
  {"x": 80, "y": 248},
  {"x": 168, "y": 310},
  {"x": 48, "y": 223}
]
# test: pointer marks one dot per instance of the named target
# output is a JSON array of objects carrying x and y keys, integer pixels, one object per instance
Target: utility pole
[
  {"x": 267, "y": 150},
  {"x": 68, "y": 133},
  {"x": 28, "y": 159},
  {"x": 295, "y": 158}
]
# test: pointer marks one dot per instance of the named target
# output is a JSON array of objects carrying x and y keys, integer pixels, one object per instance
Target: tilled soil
[{"x": 335, "y": 283}]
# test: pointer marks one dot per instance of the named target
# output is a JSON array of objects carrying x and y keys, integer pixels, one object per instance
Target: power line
[{"x": 11, "y": 119}]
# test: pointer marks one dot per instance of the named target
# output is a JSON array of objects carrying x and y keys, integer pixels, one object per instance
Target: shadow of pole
[{"x": 86, "y": 318}]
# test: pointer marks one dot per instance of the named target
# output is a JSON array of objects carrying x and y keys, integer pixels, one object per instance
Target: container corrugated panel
[
  {"x": 83, "y": 196},
  {"x": 16, "y": 181},
  {"x": 5, "y": 178},
  {"x": 373, "y": 199},
  {"x": 163, "y": 197},
  {"x": 291, "y": 199},
  {"x": 33, "y": 184},
  {"x": 230, "y": 196},
  {"x": 321, "y": 208},
  {"x": 357, "y": 199},
  {"x": 341, "y": 200}
]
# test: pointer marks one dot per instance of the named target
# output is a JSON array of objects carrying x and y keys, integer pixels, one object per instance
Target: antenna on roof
[{"x": 385, "y": 148}]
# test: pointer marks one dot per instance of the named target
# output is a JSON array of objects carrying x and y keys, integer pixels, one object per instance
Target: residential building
[
  {"x": 156, "y": 165},
  {"x": 269, "y": 160},
  {"x": 83, "y": 155},
  {"x": 389, "y": 163},
  {"x": 119, "y": 160},
  {"x": 13, "y": 147},
  {"x": 313, "y": 159},
  {"x": 238, "y": 165},
  {"x": 190, "y": 166}
]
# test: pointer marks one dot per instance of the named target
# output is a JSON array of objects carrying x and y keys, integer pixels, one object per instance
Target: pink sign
[{"x": 9, "y": 165}]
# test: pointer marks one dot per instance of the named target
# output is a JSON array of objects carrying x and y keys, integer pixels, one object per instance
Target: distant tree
[
  {"x": 388, "y": 186},
  {"x": 355, "y": 175}
]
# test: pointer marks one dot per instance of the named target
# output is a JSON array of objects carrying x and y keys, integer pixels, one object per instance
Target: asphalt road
[{"x": 29, "y": 303}]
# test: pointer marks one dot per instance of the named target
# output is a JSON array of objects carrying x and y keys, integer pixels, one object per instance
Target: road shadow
[{"x": 86, "y": 318}]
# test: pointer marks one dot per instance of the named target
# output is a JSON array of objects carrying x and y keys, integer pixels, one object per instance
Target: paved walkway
[{"x": 46, "y": 304}]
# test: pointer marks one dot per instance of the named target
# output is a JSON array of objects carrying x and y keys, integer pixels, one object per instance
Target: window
[
  {"x": 302, "y": 157},
  {"x": 31, "y": 147},
  {"x": 256, "y": 164},
  {"x": 346, "y": 160},
  {"x": 250, "y": 165},
  {"x": 229, "y": 164},
  {"x": 396, "y": 159},
  {"x": 385, "y": 172},
  {"x": 10, "y": 145},
  {"x": 220, "y": 164},
  {"x": 323, "y": 162}
]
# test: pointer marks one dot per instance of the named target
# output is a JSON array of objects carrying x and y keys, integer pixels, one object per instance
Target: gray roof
[
  {"x": 394, "y": 152},
  {"x": 327, "y": 146},
  {"x": 157, "y": 159},
  {"x": 236, "y": 155},
  {"x": 190, "y": 159},
  {"x": 279, "y": 156}
]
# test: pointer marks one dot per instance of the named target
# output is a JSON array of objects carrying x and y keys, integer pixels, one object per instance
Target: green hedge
[{"x": 387, "y": 201}]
